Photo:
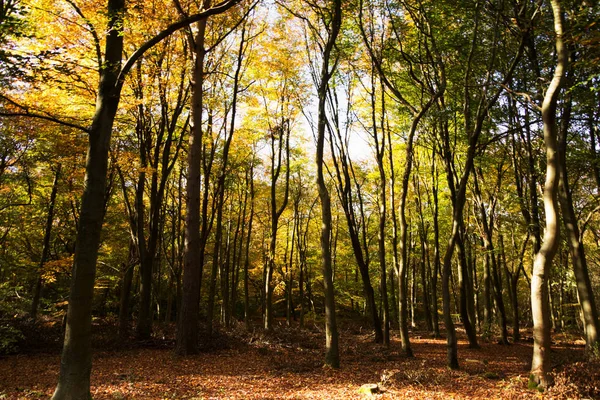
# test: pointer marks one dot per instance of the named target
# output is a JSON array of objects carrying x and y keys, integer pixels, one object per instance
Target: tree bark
[
  {"x": 332, "y": 357},
  {"x": 187, "y": 324},
  {"x": 76, "y": 361},
  {"x": 540, "y": 365}
]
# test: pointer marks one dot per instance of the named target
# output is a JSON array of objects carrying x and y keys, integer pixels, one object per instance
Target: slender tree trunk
[
  {"x": 381, "y": 250},
  {"x": 436, "y": 249},
  {"x": 125, "y": 294},
  {"x": 540, "y": 365},
  {"x": 250, "y": 178},
  {"x": 595, "y": 161},
  {"x": 487, "y": 298},
  {"x": 424, "y": 256},
  {"x": 37, "y": 293},
  {"x": 332, "y": 357},
  {"x": 575, "y": 241},
  {"x": 465, "y": 293},
  {"x": 216, "y": 259},
  {"x": 281, "y": 134}
]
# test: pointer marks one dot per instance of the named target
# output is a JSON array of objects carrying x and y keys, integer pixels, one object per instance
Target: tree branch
[{"x": 218, "y": 9}]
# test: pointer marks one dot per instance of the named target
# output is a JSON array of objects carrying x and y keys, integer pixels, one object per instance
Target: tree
[
  {"x": 330, "y": 16},
  {"x": 428, "y": 75},
  {"x": 74, "y": 378},
  {"x": 351, "y": 197},
  {"x": 540, "y": 364}
]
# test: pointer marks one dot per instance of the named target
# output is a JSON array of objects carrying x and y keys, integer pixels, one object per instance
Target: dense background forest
[{"x": 413, "y": 165}]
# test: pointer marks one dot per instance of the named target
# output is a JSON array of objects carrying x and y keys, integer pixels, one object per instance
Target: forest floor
[{"x": 287, "y": 364}]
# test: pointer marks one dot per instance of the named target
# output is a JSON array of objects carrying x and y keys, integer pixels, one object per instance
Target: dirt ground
[{"x": 288, "y": 365}]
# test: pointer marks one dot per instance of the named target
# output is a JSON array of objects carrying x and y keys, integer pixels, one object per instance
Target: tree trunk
[
  {"x": 46, "y": 245},
  {"x": 281, "y": 134},
  {"x": 76, "y": 361},
  {"x": 540, "y": 365},
  {"x": 487, "y": 298},
  {"x": 424, "y": 263},
  {"x": 332, "y": 357},
  {"x": 465, "y": 293},
  {"x": 575, "y": 240},
  {"x": 216, "y": 266},
  {"x": 187, "y": 324},
  {"x": 125, "y": 294},
  {"x": 436, "y": 249},
  {"x": 250, "y": 178}
]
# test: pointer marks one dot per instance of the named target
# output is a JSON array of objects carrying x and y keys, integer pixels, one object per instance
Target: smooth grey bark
[
  {"x": 302, "y": 239},
  {"x": 395, "y": 283},
  {"x": 595, "y": 160},
  {"x": 540, "y": 365},
  {"x": 240, "y": 234}
]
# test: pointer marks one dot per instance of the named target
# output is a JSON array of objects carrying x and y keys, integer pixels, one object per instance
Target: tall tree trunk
[
  {"x": 76, "y": 361},
  {"x": 357, "y": 229},
  {"x": 575, "y": 240},
  {"x": 187, "y": 324},
  {"x": 37, "y": 293},
  {"x": 332, "y": 357},
  {"x": 380, "y": 147},
  {"x": 424, "y": 256},
  {"x": 436, "y": 248},
  {"x": 144, "y": 325},
  {"x": 540, "y": 364},
  {"x": 250, "y": 179}
]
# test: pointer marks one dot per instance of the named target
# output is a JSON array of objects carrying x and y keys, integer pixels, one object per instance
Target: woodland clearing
[{"x": 287, "y": 364}]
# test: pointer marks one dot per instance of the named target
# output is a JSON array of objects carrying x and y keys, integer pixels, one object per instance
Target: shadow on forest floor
[{"x": 287, "y": 363}]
